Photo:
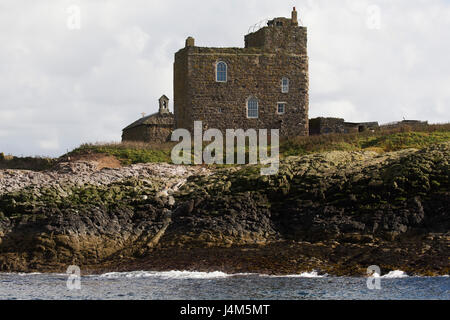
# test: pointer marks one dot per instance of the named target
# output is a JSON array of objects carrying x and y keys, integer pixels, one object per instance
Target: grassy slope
[
  {"x": 128, "y": 152},
  {"x": 379, "y": 141}
]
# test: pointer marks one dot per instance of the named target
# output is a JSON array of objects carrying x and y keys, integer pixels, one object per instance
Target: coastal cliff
[{"x": 335, "y": 212}]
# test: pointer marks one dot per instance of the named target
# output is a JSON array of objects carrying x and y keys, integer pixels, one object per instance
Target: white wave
[
  {"x": 21, "y": 273},
  {"x": 166, "y": 274},
  {"x": 201, "y": 275},
  {"x": 312, "y": 274},
  {"x": 395, "y": 274}
]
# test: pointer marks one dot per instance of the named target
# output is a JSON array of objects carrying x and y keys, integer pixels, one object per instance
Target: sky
[{"x": 79, "y": 71}]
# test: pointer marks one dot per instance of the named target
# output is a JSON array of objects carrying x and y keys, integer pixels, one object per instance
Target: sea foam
[
  {"x": 199, "y": 275},
  {"x": 395, "y": 274},
  {"x": 166, "y": 275},
  {"x": 312, "y": 274}
]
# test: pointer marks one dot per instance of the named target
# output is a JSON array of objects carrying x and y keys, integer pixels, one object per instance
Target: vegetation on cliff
[
  {"x": 383, "y": 140},
  {"x": 27, "y": 163},
  {"x": 379, "y": 141},
  {"x": 331, "y": 210},
  {"x": 361, "y": 179},
  {"x": 128, "y": 152},
  {"x": 368, "y": 199}
]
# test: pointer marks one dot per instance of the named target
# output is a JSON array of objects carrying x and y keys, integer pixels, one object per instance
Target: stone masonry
[
  {"x": 337, "y": 125},
  {"x": 155, "y": 128},
  {"x": 274, "y": 52}
]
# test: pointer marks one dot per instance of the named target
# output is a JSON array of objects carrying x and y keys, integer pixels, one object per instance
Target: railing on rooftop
[{"x": 258, "y": 25}]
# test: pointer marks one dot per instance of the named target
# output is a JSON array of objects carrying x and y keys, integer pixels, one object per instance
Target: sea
[{"x": 187, "y": 285}]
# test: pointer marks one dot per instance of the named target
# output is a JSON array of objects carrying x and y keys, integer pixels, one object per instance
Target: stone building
[
  {"x": 405, "y": 123},
  {"x": 155, "y": 128},
  {"x": 261, "y": 86},
  {"x": 337, "y": 125},
  {"x": 350, "y": 127},
  {"x": 326, "y": 125}
]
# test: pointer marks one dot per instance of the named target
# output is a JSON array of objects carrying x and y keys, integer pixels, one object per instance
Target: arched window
[
  {"x": 252, "y": 108},
  {"x": 221, "y": 72},
  {"x": 284, "y": 85}
]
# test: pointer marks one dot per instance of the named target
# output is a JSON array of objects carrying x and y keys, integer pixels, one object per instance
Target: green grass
[
  {"x": 129, "y": 152},
  {"x": 31, "y": 163},
  {"x": 382, "y": 140},
  {"x": 399, "y": 141}
]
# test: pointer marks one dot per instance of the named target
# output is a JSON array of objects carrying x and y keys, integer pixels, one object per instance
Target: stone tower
[
  {"x": 261, "y": 86},
  {"x": 164, "y": 105}
]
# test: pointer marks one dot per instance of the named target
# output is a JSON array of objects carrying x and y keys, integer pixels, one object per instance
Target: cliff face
[{"x": 336, "y": 212}]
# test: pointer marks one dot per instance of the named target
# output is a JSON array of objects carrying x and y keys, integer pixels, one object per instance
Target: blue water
[{"x": 198, "y": 286}]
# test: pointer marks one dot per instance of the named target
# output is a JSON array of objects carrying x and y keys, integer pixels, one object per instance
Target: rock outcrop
[{"x": 336, "y": 212}]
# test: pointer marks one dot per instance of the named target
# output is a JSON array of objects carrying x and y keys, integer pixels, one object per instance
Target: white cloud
[
  {"x": 133, "y": 39},
  {"x": 338, "y": 108},
  {"x": 49, "y": 144},
  {"x": 86, "y": 85}
]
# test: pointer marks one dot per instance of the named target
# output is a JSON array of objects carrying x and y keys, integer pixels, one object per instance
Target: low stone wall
[
  {"x": 338, "y": 125},
  {"x": 26, "y": 163},
  {"x": 148, "y": 133},
  {"x": 405, "y": 123},
  {"x": 351, "y": 127},
  {"x": 326, "y": 125}
]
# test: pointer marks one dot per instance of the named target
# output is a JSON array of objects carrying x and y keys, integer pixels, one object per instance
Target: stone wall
[
  {"x": 148, "y": 133},
  {"x": 352, "y": 127},
  {"x": 326, "y": 125},
  {"x": 256, "y": 71},
  {"x": 338, "y": 125},
  {"x": 181, "y": 89},
  {"x": 290, "y": 38},
  {"x": 25, "y": 163},
  {"x": 407, "y": 123}
]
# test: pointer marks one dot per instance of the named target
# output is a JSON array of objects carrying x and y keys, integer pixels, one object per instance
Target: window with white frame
[
  {"x": 221, "y": 72},
  {"x": 252, "y": 108},
  {"x": 284, "y": 85},
  {"x": 281, "y": 107}
]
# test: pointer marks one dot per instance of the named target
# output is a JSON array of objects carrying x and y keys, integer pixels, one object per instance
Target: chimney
[
  {"x": 190, "y": 42},
  {"x": 294, "y": 17}
]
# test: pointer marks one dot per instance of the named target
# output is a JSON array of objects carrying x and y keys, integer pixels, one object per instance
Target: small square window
[{"x": 281, "y": 107}]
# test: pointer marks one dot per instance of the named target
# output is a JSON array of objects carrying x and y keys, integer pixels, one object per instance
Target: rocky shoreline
[{"x": 336, "y": 212}]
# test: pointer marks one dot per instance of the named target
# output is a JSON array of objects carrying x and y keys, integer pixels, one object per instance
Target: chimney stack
[
  {"x": 190, "y": 42},
  {"x": 294, "y": 17}
]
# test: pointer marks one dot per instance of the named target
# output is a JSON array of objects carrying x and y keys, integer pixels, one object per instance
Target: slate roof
[{"x": 153, "y": 119}]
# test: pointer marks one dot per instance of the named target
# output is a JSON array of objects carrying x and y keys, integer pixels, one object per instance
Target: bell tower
[{"x": 164, "y": 105}]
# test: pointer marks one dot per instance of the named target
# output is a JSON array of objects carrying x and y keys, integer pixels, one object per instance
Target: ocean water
[{"x": 217, "y": 285}]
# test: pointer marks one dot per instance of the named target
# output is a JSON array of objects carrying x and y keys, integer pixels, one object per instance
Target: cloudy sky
[{"x": 67, "y": 79}]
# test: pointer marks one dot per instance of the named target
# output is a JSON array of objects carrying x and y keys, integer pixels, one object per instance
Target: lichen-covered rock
[{"x": 338, "y": 212}]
